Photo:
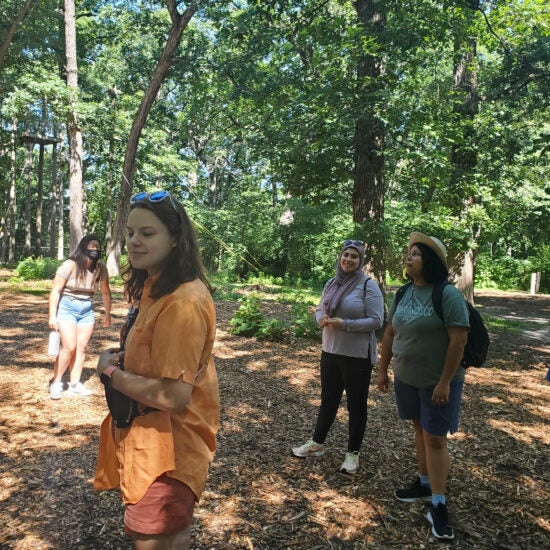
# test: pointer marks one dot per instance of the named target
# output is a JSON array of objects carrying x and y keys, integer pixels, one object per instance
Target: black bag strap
[
  {"x": 400, "y": 293},
  {"x": 437, "y": 298}
]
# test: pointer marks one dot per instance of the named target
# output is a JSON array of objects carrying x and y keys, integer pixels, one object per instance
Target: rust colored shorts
[{"x": 166, "y": 508}]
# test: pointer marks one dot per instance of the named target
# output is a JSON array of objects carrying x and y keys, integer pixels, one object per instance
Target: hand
[
  {"x": 52, "y": 323},
  {"x": 323, "y": 321},
  {"x": 107, "y": 358},
  {"x": 383, "y": 380},
  {"x": 336, "y": 322},
  {"x": 440, "y": 395},
  {"x": 107, "y": 320}
]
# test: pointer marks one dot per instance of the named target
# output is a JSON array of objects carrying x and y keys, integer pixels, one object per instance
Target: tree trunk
[
  {"x": 179, "y": 23},
  {"x": 28, "y": 200},
  {"x": 464, "y": 154},
  {"x": 12, "y": 206},
  {"x": 39, "y": 203},
  {"x": 61, "y": 211},
  {"x": 53, "y": 192},
  {"x": 4, "y": 47},
  {"x": 73, "y": 131},
  {"x": 40, "y": 185},
  {"x": 368, "y": 190}
]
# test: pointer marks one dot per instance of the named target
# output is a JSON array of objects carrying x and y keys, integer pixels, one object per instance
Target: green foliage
[
  {"x": 504, "y": 273},
  {"x": 272, "y": 329},
  {"x": 303, "y": 322},
  {"x": 247, "y": 320},
  {"x": 36, "y": 268}
]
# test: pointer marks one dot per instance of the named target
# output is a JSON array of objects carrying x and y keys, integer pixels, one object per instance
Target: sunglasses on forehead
[
  {"x": 154, "y": 196},
  {"x": 353, "y": 243}
]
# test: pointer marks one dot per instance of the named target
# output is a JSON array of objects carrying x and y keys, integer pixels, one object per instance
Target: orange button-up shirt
[{"x": 172, "y": 337}]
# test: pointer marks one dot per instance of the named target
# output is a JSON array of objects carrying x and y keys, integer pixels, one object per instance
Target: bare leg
[
  {"x": 177, "y": 541},
  {"x": 437, "y": 461},
  {"x": 83, "y": 335},
  {"x": 420, "y": 447},
  {"x": 68, "y": 335}
]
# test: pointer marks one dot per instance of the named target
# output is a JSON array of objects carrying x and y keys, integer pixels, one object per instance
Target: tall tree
[
  {"x": 178, "y": 24},
  {"x": 368, "y": 188},
  {"x": 76, "y": 191}
]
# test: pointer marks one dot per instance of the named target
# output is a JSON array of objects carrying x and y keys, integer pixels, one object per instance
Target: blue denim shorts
[
  {"x": 416, "y": 404},
  {"x": 75, "y": 311}
]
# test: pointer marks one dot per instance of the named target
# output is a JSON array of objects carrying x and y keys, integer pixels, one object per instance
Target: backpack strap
[
  {"x": 400, "y": 293},
  {"x": 437, "y": 298},
  {"x": 365, "y": 286}
]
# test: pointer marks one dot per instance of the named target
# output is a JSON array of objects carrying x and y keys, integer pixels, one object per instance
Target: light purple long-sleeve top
[{"x": 362, "y": 310}]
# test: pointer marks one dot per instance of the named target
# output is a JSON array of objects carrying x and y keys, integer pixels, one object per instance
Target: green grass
[{"x": 503, "y": 325}]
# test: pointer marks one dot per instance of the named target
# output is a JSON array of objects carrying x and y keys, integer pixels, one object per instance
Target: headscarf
[{"x": 343, "y": 282}]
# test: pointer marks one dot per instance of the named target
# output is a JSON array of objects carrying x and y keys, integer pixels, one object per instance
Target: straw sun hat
[{"x": 432, "y": 242}]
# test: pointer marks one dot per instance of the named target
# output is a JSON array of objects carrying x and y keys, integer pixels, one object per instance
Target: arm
[
  {"x": 165, "y": 394},
  {"x": 106, "y": 296},
  {"x": 455, "y": 351},
  {"x": 320, "y": 315},
  {"x": 55, "y": 295},
  {"x": 385, "y": 358}
]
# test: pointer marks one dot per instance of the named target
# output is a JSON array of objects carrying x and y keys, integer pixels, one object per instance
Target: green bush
[
  {"x": 304, "y": 324},
  {"x": 504, "y": 273},
  {"x": 247, "y": 320},
  {"x": 36, "y": 268},
  {"x": 272, "y": 329}
]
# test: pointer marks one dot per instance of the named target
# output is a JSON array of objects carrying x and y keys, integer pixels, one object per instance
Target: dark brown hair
[
  {"x": 84, "y": 263},
  {"x": 184, "y": 263}
]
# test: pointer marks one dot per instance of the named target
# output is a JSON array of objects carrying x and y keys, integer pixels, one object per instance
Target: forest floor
[{"x": 258, "y": 496}]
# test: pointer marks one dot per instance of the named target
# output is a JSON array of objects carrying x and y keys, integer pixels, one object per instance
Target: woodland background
[{"x": 284, "y": 127}]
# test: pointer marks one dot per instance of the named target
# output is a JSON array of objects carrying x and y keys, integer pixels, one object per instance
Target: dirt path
[{"x": 258, "y": 496}]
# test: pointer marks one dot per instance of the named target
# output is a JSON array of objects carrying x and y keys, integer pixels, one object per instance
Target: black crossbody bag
[{"x": 123, "y": 408}]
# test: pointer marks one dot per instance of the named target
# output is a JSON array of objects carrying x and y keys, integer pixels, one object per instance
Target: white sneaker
[
  {"x": 56, "y": 389},
  {"x": 78, "y": 389},
  {"x": 309, "y": 448},
  {"x": 350, "y": 464}
]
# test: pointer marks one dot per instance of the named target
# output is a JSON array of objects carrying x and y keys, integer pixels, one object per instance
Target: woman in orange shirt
[{"x": 161, "y": 460}]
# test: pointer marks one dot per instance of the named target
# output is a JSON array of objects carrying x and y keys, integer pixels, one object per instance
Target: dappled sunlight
[
  {"x": 522, "y": 433},
  {"x": 258, "y": 495}
]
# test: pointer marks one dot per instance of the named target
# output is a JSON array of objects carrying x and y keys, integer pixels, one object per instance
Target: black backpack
[{"x": 477, "y": 345}]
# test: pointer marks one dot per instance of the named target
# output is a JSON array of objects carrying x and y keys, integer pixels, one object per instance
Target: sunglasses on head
[
  {"x": 154, "y": 196},
  {"x": 353, "y": 243}
]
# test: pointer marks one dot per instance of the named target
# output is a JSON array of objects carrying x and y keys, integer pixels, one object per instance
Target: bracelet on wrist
[{"x": 109, "y": 370}]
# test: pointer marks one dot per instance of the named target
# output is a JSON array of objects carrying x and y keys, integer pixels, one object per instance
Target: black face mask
[{"x": 93, "y": 254}]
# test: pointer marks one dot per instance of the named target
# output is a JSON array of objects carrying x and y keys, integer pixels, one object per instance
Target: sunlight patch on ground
[{"x": 524, "y": 434}]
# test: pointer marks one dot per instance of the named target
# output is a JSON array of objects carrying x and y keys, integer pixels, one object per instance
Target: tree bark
[
  {"x": 53, "y": 207},
  {"x": 464, "y": 154},
  {"x": 179, "y": 23},
  {"x": 369, "y": 142},
  {"x": 73, "y": 130},
  {"x": 12, "y": 206},
  {"x": 28, "y": 178}
]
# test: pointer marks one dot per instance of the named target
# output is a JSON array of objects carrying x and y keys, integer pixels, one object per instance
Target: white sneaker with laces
[
  {"x": 350, "y": 464},
  {"x": 78, "y": 389},
  {"x": 309, "y": 448},
  {"x": 56, "y": 389}
]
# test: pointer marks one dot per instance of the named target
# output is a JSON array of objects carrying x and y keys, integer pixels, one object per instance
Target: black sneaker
[
  {"x": 439, "y": 518},
  {"x": 415, "y": 492}
]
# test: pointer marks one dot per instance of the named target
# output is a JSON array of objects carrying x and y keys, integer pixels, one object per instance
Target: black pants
[{"x": 339, "y": 373}]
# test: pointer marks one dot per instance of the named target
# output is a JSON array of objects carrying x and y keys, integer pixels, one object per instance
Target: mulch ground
[{"x": 258, "y": 496}]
